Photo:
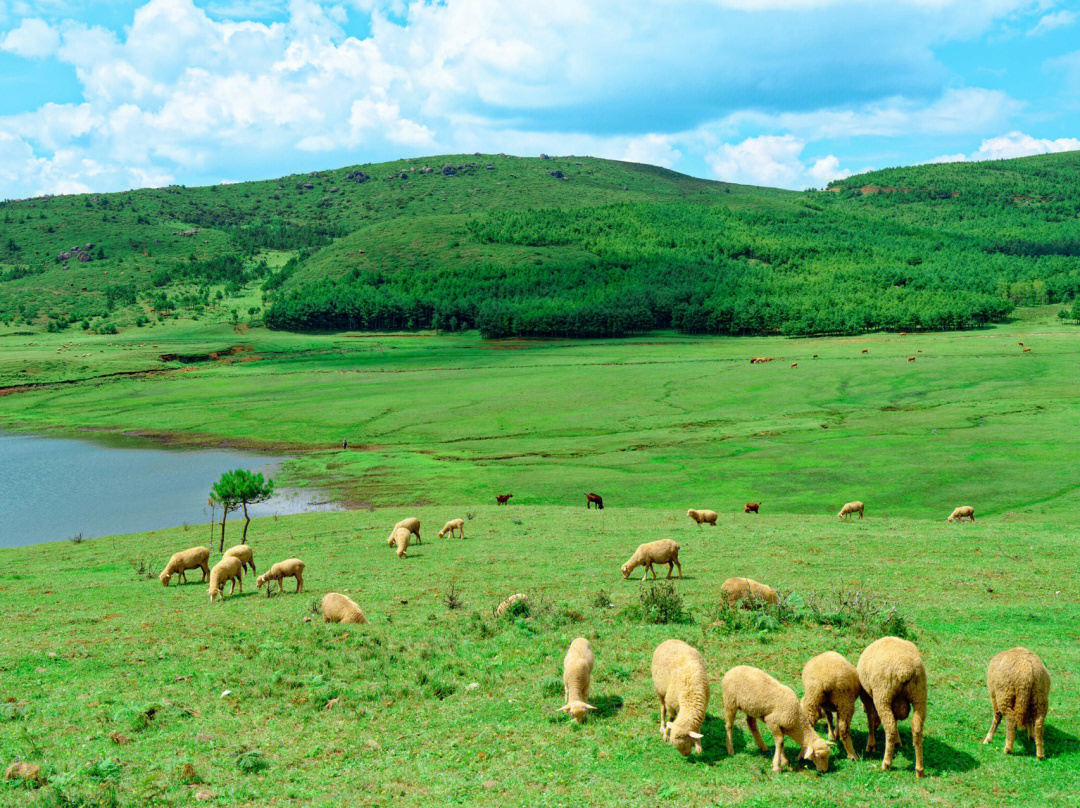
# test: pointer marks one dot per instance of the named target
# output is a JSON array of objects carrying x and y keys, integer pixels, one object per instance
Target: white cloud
[
  {"x": 774, "y": 160},
  {"x": 827, "y": 169},
  {"x": 657, "y": 150},
  {"x": 1057, "y": 19},
  {"x": 1014, "y": 144},
  {"x": 33, "y": 38}
]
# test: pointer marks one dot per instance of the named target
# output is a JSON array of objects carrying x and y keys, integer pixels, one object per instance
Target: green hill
[{"x": 554, "y": 247}]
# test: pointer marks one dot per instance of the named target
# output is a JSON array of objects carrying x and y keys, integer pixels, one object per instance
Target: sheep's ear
[
  {"x": 830, "y": 743},
  {"x": 697, "y": 736},
  {"x": 589, "y": 707},
  {"x": 564, "y": 709}
]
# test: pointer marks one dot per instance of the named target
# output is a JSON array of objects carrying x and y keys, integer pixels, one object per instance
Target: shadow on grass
[
  {"x": 1057, "y": 743},
  {"x": 938, "y": 756},
  {"x": 606, "y": 706}
]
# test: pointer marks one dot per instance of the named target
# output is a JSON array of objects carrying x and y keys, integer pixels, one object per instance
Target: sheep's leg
[
  {"x": 281, "y": 585},
  {"x": 993, "y": 727},
  {"x": 205, "y": 572},
  {"x": 663, "y": 719},
  {"x": 829, "y": 724},
  {"x": 778, "y": 758},
  {"x": 752, "y": 725},
  {"x": 677, "y": 564},
  {"x": 730, "y": 711},
  {"x": 918, "y": 718},
  {"x": 1010, "y": 734},
  {"x": 843, "y": 729},
  {"x": 241, "y": 580},
  {"x": 1040, "y": 752},
  {"x": 892, "y": 735},
  {"x": 299, "y": 582},
  {"x": 670, "y": 568}
]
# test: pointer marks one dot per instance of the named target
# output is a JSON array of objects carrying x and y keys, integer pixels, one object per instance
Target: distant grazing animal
[
  {"x": 699, "y": 516},
  {"x": 502, "y": 499},
  {"x": 1020, "y": 344},
  {"x": 577, "y": 671},
  {"x": 591, "y": 499},
  {"x": 738, "y": 591},
  {"x": 507, "y": 604},
  {"x": 903, "y": 333},
  {"x": 451, "y": 526},
  {"x": 891, "y": 672},
  {"x": 289, "y": 568},
  {"x": 243, "y": 552},
  {"x": 815, "y": 356},
  {"x": 338, "y": 608},
  {"x": 663, "y": 551},
  {"x": 850, "y": 508},
  {"x": 962, "y": 513},
  {"x": 1027, "y": 350},
  {"x": 794, "y": 364},
  {"x": 193, "y": 558},
  {"x": 866, "y": 350},
  {"x": 411, "y": 524},
  {"x": 682, "y": 686},
  {"x": 1020, "y": 690},
  {"x": 751, "y": 507},
  {"x": 227, "y": 569},
  {"x": 399, "y": 537},
  {"x": 911, "y": 359}
]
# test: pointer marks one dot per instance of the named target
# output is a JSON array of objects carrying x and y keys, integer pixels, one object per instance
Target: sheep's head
[
  {"x": 164, "y": 578},
  {"x": 817, "y": 751},
  {"x": 442, "y": 533},
  {"x": 691, "y": 513},
  {"x": 215, "y": 591},
  {"x": 686, "y": 741},
  {"x": 260, "y": 581},
  {"x": 626, "y": 570},
  {"x": 578, "y": 709}
]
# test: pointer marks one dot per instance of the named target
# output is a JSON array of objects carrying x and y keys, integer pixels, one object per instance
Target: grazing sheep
[
  {"x": 1027, "y": 350},
  {"x": 227, "y": 569},
  {"x": 594, "y": 499},
  {"x": 412, "y": 524},
  {"x": 1019, "y": 686},
  {"x": 752, "y": 507},
  {"x": 577, "y": 670},
  {"x": 502, "y": 499},
  {"x": 451, "y": 526},
  {"x": 289, "y": 568},
  {"x": 699, "y": 516},
  {"x": 794, "y": 364},
  {"x": 27, "y": 772},
  {"x": 399, "y": 537},
  {"x": 664, "y": 551},
  {"x": 743, "y": 590},
  {"x": 195, "y": 557},
  {"x": 962, "y": 513},
  {"x": 243, "y": 552},
  {"x": 504, "y": 607},
  {"x": 682, "y": 686},
  {"x": 762, "y": 697},
  {"x": 337, "y": 608},
  {"x": 831, "y": 685},
  {"x": 891, "y": 672},
  {"x": 850, "y": 508},
  {"x": 911, "y": 359}
]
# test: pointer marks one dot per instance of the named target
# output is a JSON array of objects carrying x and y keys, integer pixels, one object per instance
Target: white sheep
[
  {"x": 504, "y": 607},
  {"x": 243, "y": 552},
  {"x": 850, "y": 508},
  {"x": 831, "y": 685},
  {"x": 962, "y": 513},
  {"x": 451, "y": 526},
  {"x": 412, "y": 524},
  {"x": 682, "y": 686},
  {"x": 399, "y": 537},
  {"x": 192, "y": 558},
  {"x": 747, "y": 590},
  {"x": 338, "y": 608},
  {"x": 1019, "y": 687},
  {"x": 699, "y": 516},
  {"x": 664, "y": 551},
  {"x": 891, "y": 672},
  {"x": 577, "y": 671},
  {"x": 289, "y": 568},
  {"x": 227, "y": 569},
  {"x": 760, "y": 696}
]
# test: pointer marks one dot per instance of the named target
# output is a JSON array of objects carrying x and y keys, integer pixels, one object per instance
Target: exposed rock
[
  {"x": 204, "y": 795},
  {"x": 357, "y": 176},
  {"x": 118, "y": 739},
  {"x": 426, "y": 170},
  {"x": 489, "y": 167},
  {"x": 556, "y": 174},
  {"x": 334, "y": 190},
  {"x": 27, "y": 772},
  {"x": 448, "y": 170},
  {"x": 544, "y": 157}
]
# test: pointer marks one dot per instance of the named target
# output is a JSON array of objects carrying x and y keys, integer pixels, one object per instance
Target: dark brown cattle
[
  {"x": 591, "y": 499},
  {"x": 911, "y": 359},
  {"x": 751, "y": 507},
  {"x": 866, "y": 350},
  {"x": 502, "y": 499}
]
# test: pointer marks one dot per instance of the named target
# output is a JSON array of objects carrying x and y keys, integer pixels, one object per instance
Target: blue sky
[{"x": 107, "y": 95}]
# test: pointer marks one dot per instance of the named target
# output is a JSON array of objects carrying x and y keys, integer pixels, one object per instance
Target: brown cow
[
  {"x": 596, "y": 499},
  {"x": 911, "y": 359},
  {"x": 1020, "y": 344},
  {"x": 866, "y": 350},
  {"x": 794, "y": 364},
  {"x": 1027, "y": 350},
  {"x": 751, "y": 507},
  {"x": 501, "y": 499}
]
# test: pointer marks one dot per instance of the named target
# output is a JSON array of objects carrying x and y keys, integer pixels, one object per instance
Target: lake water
[{"x": 53, "y": 488}]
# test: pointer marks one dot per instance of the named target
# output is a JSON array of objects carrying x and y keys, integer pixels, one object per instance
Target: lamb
[
  {"x": 699, "y": 516},
  {"x": 831, "y": 685},
  {"x": 243, "y": 552},
  {"x": 891, "y": 672},
  {"x": 752, "y": 507},
  {"x": 504, "y": 607},
  {"x": 762, "y": 697},
  {"x": 192, "y": 558},
  {"x": 682, "y": 686},
  {"x": 577, "y": 669},
  {"x": 227, "y": 569},
  {"x": 338, "y": 608},
  {"x": 451, "y": 526},
  {"x": 850, "y": 508},
  {"x": 1019, "y": 686},
  {"x": 741, "y": 590},
  {"x": 400, "y": 537},
  {"x": 412, "y": 524},
  {"x": 664, "y": 551},
  {"x": 289, "y": 568},
  {"x": 962, "y": 513}
]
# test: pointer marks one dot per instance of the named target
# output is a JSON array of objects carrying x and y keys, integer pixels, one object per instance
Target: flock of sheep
[{"x": 889, "y": 679}]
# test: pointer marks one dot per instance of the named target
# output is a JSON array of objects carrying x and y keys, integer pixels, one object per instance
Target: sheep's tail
[{"x": 1022, "y": 706}]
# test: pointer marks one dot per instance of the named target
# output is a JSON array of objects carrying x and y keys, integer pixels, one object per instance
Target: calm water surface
[{"x": 54, "y": 488}]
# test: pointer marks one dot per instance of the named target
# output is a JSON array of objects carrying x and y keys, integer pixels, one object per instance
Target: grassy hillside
[
  {"x": 128, "y": 694},
  {"x": 553, "y": 247}
]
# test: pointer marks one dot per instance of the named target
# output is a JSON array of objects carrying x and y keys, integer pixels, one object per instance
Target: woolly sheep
[
  {"x": 400, "y": 538},
  {"x": 577, "y": 670},
  {"x": 891, "y": 672},
  {"x": 850, "y": 508},
  {"x": 962, "y": 513},
  {"x": 1019, "y": 687},
  {"x": 699, "y": 516},
  {"x": 740, "y": 590},
  {"x": 243, "y": 552},
  {"x": 338, "y": 608},
  {"x": 451, "y": 526},
  {"x": 760, "y": 696},
  {"x": 289, "y": 568},
  {"x": 227, "y": 569},
  {"x": 504, "y": 607},
  {"x": 412, "y": 524},
  {"x": 664, "y": 551},
  {"x": 831, "y": 685},
  {"x": 192, "y": 558},
  {"x": 682, "y": 686}
]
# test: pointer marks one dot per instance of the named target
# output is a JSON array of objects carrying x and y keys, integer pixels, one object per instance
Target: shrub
[
  {"x": 662, "y": 604},
  {"x": 602, "y": 599},
  {"x": 452, "y": 600},
  {"x": 251, "y": 762}
]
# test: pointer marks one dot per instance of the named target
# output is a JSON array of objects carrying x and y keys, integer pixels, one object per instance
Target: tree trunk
[
  {"x": 224, "y": 515},
  {"x": 247, "y": 521}
]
